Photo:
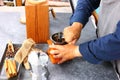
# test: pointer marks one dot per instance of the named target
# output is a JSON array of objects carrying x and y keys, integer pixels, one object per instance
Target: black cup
[{"x": 58, "y": 39}]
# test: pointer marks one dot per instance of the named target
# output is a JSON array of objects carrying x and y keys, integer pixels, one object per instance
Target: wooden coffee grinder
[{"x": 37, "y": 20}]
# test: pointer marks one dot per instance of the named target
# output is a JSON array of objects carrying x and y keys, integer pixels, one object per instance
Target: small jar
[{"x": 58, "y": 39}]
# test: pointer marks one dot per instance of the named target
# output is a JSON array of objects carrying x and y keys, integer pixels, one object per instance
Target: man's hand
[
  {"x": 65, "y": 52},
  {"x": 72, "y": 33}
]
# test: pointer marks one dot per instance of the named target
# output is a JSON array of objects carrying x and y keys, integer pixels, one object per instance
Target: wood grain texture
[
  {"x": 37, "y": 22},
  {"x": 30, "y": 21},
  {"x": 18, "y": 2}
]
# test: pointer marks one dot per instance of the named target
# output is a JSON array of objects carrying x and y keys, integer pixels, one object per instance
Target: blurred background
[{"x": 21, "y": 2}]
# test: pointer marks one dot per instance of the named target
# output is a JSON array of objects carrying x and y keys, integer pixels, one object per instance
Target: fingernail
[
  {"x": 51, "y": 52},
  {"x": 54, "y": 56},
  {"x": 59, "y": 63},
  {"x": 50, "y": 46}
]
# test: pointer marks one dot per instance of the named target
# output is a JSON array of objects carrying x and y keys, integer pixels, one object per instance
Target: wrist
[
  {"x": 77, "y": 52},
  {"x": 78, "y": 25}
]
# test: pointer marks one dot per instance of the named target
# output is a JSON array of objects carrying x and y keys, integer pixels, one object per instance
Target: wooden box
[{"x": 37, "y": 20}]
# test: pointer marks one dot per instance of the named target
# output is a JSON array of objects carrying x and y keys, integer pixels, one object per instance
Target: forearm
[
  {"x": 106, "y": 48},
  {"x": 83, "y": 10},
  {"x": 77, "y": 25},
  {"x": 77, "y": 52}
]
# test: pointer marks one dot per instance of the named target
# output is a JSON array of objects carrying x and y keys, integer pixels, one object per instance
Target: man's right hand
[{"x": 72, "y": 33}]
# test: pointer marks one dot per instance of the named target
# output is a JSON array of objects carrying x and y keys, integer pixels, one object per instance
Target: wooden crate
[{"x": 37, "y": 21}]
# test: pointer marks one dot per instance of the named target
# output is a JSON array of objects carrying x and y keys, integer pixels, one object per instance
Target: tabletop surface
[{"x": 76, "y": 69}]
